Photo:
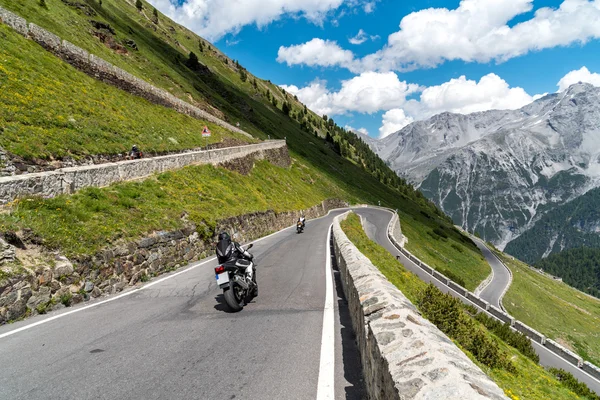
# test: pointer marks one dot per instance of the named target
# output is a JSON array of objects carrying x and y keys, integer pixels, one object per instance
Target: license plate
[{"x": 222, "y": 278}]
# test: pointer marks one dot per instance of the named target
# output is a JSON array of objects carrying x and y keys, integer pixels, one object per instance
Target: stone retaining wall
[
  {"x": 530, "y": 332},
  {"x": 102, "y": 70},
  {"x": 591, "y": 369},
  {"x": 564, "y": 352},
  {"x": 112, "y": 270},
  {"x": 404, "y": 356},
  {"x": 69, "y": 180},
  {"x": 501, "y": 315}
]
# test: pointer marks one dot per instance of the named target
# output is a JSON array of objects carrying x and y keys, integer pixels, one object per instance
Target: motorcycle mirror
[{"x": 250, "y": 246}]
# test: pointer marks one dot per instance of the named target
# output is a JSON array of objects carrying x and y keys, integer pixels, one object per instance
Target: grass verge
[
  {"x": 526, "y": 381},
  {"x": 553, "y": 308}
]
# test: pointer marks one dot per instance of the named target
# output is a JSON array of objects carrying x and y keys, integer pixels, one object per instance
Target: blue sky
[{"x": 528, "y": 46}]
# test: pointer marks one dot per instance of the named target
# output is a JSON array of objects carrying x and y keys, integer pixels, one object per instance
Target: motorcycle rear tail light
[{"x": 220, "y": 269}]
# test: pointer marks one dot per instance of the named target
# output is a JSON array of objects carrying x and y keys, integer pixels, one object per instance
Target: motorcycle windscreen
[{"x": 224, "y": 250}]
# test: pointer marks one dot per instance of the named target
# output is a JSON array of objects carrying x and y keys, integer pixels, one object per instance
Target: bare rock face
[{"x": 7, "y": 252}]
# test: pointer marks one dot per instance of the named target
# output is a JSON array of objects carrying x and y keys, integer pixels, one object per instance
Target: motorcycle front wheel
[{"x": 234, "y": 297}]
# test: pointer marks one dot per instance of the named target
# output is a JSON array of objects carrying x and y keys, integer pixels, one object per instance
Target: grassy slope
[
  {"x": 530, "y": 382},
  {"x": 455, "y": 253},
  {"x": 555, "y": 309},
  {"x": 93, "y": 218},
  {"x": 50, "y": 110},
  {"x": 162, "y": 50}
]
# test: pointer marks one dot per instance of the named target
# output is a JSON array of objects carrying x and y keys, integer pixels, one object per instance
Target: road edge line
[{"x": 326, "y": 382}]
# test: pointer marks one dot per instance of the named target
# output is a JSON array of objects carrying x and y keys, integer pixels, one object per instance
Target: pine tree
[
  {"x": 193, "y": 62},
  {"x": 275, "y": 102},
  {"x": 243, "y": 75},
  {"x": 139, "y": 5},
  {"x": 201, "y": 46},
  {"x": 155, "y": 15},
  {"x": 285, "y": 108}
]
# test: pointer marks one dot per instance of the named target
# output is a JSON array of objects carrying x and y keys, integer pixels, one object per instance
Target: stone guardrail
[
  {"x": 501, "y": 315},
  {"x": 69, "y": 180},
  {"x": 105, "y": 71},
  {"x": 404, "y": 356}
]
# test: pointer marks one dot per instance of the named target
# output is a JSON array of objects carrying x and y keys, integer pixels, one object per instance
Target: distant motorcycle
[
  {"x": 299, "y": 227},
  {"x": 238, "y": 287}
]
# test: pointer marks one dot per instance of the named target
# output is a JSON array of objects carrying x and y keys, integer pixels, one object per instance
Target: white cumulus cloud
[
  {"x": 317, "y": 52},
  {"x": 360, "y": 38},
  {"x": 362, "y": 131},
  {"x": 212, "y": 19},
  {"x": 466, "y": 96},
  {"x": 393, "y": 121},
  {"x": 580, "y": 75},
  {"x": 368, "y": 92},
  {"x": 372, "y": 92},
  {"x": 479, "y": 31}
]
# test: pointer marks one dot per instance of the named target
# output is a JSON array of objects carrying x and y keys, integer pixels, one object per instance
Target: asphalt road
[
  {"x": 174, "y": 339},
  {"x": 495, "y": 290},
  {"x": 376, "y": 222}
]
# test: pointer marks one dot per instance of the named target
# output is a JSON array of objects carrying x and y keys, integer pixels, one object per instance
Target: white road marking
[{"x": 326, "y": 385}]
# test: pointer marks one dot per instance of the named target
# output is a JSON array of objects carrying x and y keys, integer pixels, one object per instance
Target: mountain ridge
[{"x": 497, "y": 172}]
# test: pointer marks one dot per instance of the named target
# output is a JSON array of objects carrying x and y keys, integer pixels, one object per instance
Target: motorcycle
[
  {"x": 239, "y": 287},
  {"x": 299, "y": 227}
]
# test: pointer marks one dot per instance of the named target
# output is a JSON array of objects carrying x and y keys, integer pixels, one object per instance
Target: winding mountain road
[
  {"x": 495, "y": 290},
  {"x": 173, "y": 337}
]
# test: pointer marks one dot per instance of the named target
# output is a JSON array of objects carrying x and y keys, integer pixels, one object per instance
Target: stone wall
[
  {"x": 106, "y": 72},
  {"x": 404, "y": 356},
  {"x": 69, "y": 180},
  {"x": 69, "y": 282}
]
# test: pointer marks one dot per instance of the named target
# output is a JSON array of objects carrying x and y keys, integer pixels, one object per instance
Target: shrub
[
  {"x": 515, "y": 339},
  {"x": 41, "y": 308},
  {"x": 440, "y": 232},
  {"x": 43, "y": 4},
  {"x": 446, "y": 312},
  {"x": 139, "y": 5},
  {"x": 66, "y": 299},
  {"x": 568, "y": 380},
  {"x": 457, "y": 247}
]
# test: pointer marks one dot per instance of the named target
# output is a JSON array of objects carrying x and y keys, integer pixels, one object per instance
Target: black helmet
[{"x": 224, "y": 236}]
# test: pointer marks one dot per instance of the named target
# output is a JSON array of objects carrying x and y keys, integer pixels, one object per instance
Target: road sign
[{"x": 205, "y": 132}]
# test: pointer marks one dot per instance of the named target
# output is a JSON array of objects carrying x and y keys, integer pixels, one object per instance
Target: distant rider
[
  {"x": 228, "y": 252},
  {"x": 302, "y": 220},
  {"x": 135, "y": 153}
]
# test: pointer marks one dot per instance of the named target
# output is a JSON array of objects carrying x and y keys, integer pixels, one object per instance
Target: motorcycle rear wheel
[{"x": 234, "y": 297}]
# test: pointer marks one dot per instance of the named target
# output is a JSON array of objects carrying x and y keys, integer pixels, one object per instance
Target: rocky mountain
[
  {"x": 569, "y": 226},
  {"x": 499, "y": 172}
]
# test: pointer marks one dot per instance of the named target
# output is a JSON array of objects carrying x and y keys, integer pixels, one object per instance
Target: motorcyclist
[
  {"x": 302, "y": 220},
  {"x": 135, "y": 153},
  {"x": 228, "y": 252}
]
